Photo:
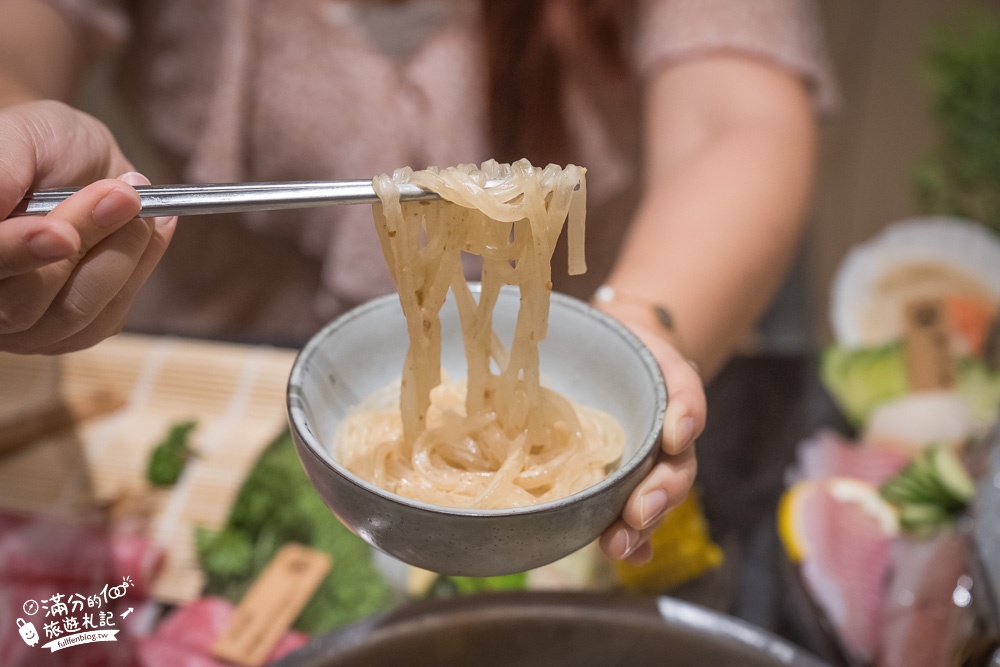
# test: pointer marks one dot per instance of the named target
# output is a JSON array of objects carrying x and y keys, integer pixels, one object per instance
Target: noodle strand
[{"x": 499, "y": 439}]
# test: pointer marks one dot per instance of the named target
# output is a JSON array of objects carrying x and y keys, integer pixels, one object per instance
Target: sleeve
[
  {"x": 100, "y": 25},
  {"x": 785, "y": 32}
]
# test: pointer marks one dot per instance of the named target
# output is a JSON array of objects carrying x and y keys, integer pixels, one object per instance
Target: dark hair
[{"x": 530, "y": 45}]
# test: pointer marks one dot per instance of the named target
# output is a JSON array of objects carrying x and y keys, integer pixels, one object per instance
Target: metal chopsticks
[{"x": 234, "y": 197}]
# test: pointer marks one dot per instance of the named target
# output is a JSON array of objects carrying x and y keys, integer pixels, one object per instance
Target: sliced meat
[
  {"x": 197, "y": 624},
  {"x": 845, "y": 568},
  {"x": 828, "y": 454},
  {"x": 923, "y": 623}
]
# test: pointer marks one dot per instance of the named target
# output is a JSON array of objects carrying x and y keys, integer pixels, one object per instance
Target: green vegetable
[
  {"x": 170, "y": 456},
  {"x": 860, "y": 379},
  {"x": 278, "y": 504},
  {"x": 446, "y": 586},
  {"x": 931, "y": 491},
  {"x": 952, "y": 475},
  {"x": 922, "y": 518},
  {"x": 962, "y": 174},
  {"x": 981, "y": 387},
  {"x": 227, "y": 553}
]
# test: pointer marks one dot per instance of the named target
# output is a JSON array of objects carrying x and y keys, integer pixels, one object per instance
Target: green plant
[
  {"x": 168, "y": 458},
  {"x": 277, "y": 504},
  {"x": 961, "y": 176}
]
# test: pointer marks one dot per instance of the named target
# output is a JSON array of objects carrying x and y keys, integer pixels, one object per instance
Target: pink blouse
[{"x": 259, "y": 90}]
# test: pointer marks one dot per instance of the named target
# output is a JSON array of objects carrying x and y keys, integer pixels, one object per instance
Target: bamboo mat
[{"x": 235, "y": 393}]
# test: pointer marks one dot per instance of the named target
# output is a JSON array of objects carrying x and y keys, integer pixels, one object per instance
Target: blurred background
[
  {"x": 882, "y": 52},
  {"x": 920, "y": 88},
  {"x": 870, "y": 154}
]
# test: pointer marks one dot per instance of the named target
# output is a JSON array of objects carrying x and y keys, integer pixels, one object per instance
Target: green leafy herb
[
  {"x": 962, "y": 175},
  {"x": 169, "y": 457},
  {"x": 226, "y": 554},
  {"x": 277, "y": 504}
]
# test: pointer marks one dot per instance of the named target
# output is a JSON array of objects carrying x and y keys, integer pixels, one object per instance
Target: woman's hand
[
  {"x": 729, "y": 149},
  {"x": 670, "y": 480},
  {"x": 68, "y": 278}
]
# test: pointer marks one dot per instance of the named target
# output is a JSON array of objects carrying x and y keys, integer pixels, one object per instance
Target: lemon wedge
[{"x": 792, "y": 513}]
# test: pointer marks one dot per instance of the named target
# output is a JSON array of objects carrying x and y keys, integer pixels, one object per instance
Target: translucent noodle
[{"x": 499, "y": 439}]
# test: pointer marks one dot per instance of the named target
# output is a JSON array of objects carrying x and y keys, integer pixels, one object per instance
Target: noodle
[{"x": 497, "y": 439}]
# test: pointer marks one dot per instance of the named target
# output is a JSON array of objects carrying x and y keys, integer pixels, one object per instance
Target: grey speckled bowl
[{"x": 587, "y": 356}]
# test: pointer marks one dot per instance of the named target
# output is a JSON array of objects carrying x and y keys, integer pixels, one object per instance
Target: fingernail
[
  {"x": 683, "y": 433},
  {"x": 134, "y": 178},
  {"x": 115, "y": 207},
  {"x": 164, "y": 222},
  {"x": 652, "y": 507},
  {"x": 631, "y": 543},
  {"x": 50, "y": 245},
  {"x": 622, "y": 543}
]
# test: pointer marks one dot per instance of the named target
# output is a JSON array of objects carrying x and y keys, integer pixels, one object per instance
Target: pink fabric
[
  {"x": 785, "y": 32},
  {"x": 266, "y": 90}
]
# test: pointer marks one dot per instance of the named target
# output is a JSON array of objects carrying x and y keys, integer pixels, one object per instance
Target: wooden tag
[
  {"x": 929, "y": 361},
  {"x": 272, "y": 604}
]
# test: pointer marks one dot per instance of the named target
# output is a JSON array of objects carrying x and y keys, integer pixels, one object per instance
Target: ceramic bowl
[
  {"x": 551, "y": 629},
  {"x": 587, "y": 356}
]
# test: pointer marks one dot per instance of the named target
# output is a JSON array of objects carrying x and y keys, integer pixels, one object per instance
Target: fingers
[
  {"x": 686, "y": 407},
  {"x": 67, "y": 279},
  {"x": 109, "y": 322},
  {"x": 98, "y": 209},
  {"x": 50, "y": 144},
  {"x": 74, "y": 226},
  {"x": 87, "y": 291},
  {"x": 642, "y": 555},
  {"x": 30, "y": 243},
  {"x": 98, "y": 212},
  {"x": 663, "y": 489},
  {"x": 671, "y": 478}
]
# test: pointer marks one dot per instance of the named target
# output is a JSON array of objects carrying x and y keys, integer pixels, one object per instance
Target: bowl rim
[
  {"x": 640, "y": 611},
  {"x": 297, "y": 416}
]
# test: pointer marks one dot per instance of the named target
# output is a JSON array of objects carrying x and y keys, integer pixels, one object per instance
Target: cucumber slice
[
  {"x": 917, "y": 483},
  {"x": 922, "y": 471},
  {"x": 920, "y": 516},
  {"x": 952, "y": 476},
  {"x": 904, "y": 489}
]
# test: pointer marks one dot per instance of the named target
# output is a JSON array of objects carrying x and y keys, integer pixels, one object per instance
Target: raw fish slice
[
  {"x": 845, "y": 567},
  {"x": 138, "y": 558},
  {"x": 828, "y": 454},
  {"x": 39, "y": 549},
  {"x": 156, "y": 652},
  {"x": 922, "y": 620},
  {"x": 196, "y": 624},
  {"x": 42, "y": 557}
]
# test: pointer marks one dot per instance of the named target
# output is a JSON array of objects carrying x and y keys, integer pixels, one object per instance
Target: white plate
[{"x": 910, "y": 259}]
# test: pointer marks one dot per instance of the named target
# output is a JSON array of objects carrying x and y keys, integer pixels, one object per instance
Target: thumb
[{"x": 30, "y": 243}]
